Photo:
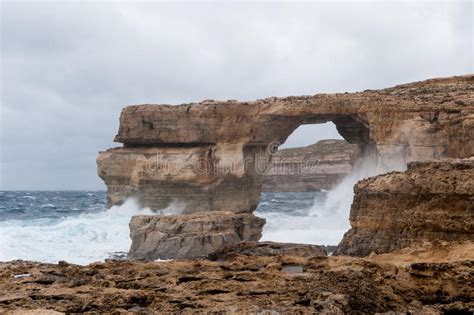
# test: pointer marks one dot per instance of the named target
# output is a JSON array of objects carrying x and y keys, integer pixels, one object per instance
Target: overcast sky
[{"x": 68, "y": 69}]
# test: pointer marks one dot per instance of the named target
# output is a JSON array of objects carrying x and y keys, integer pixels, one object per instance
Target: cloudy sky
[{"x": 68, "y": 69}]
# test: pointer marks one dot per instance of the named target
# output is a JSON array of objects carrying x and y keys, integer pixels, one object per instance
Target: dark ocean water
[
  {"x": 76, "y": 225},
  {"x": 28, "y": 205}
]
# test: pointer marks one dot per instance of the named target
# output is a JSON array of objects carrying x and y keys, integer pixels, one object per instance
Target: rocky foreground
[{"x": 430, "y": 279}]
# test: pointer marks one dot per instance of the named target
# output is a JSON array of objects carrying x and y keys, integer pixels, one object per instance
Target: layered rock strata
[
  {"x": 312, "y": 168},
  {"x": 432, "y": 280},
  {"x": 431, "y": 201},
  {"x": 201, "y": 178},
  {"x": 212, "y": 155},
  {"x": 190, "y": 236}
]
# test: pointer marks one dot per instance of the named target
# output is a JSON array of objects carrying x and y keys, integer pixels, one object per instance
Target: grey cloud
[{"x": 68, "y": 69}]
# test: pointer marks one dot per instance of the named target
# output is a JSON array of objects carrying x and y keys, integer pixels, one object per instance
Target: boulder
[
  {"x": 190, "y": 236},
  {"x": 432, "y": 201}
]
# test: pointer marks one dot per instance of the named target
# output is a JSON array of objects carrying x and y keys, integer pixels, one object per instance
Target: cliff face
[
  {"x": 212, "y": 155},
  {"x": 431, "y": 201},
  {"x": 201, "y": 178},
  {"x": 312, "y": 168}
]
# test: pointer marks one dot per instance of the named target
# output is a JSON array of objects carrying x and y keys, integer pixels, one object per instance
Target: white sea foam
[
  {"x": 339, "y": 199},
  {"x": 78, "y": 239},
  {"x": 302, "y": 229},
  {"x": 48, "y": 205}
]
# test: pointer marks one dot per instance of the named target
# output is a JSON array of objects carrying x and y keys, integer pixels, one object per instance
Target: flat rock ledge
[
  {"x": 192, "y": 235},
  {"x": 268, "y": 249}
]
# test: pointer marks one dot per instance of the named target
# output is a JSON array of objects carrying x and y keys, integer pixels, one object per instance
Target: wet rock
[
  {"x": 192, "y": 235},
  {"x": 292, "y": 269}
]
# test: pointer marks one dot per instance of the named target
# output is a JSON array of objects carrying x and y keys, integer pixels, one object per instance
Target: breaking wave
[
  {"x": 79, "y": 239},
  {"x": 326, "y": 219}
]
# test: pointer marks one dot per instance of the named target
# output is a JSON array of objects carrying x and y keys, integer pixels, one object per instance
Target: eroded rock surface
[
  {"x": 435, "y": 113},
  {"x": 268, "y": 249},
  {"x": 202, "y": 178},
  {"x": 427, "y": 280},
  {"x": 192, "y": 235},
  {"x": 312, "y": 168},
  {"x": 431, "y": 201},
  {"x": 218, "y": 151}
]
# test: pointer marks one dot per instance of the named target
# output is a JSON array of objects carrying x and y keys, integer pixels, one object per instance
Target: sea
[{"x": 76, "y": 226}]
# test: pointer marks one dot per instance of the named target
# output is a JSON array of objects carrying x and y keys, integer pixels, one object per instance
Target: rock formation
[
  {"x": 424, "y": 280},
  {"x": 202, "y": 178},
  {"x": 212, "y": 155},
  {"x": 190, "y": 236},
  {"x": 312, "y": 168},
  {"x": 431, "y": 201}
]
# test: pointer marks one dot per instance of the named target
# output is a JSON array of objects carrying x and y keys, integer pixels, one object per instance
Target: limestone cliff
[
  {"x": 212, "y": 156},
  {"x": 431, "y": 201},
  {"x": 425, "y": 119},
  {"x": 312, "y": 168}
]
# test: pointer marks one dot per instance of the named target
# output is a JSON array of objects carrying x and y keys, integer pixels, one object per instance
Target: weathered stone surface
[
  {"x": 192, "y": 235},
  {"x": 312, "y": 168},
  {"x": 431, "y": 201},
  {"x": 417, "y": 121},
  {"x": 429, "y": 280},
  {"x": 217, "y": 177},
  {"x": 268, "y": 249},
  {"x": 435, "y": 113}
]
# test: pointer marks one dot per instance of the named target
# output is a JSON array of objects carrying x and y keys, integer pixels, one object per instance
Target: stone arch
[{"x": 421, "y": 121}]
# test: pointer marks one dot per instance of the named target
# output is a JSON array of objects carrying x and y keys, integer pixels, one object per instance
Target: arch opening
[
  {"x": 307, "y": 191},
  {"x": 309, "y": 134}
]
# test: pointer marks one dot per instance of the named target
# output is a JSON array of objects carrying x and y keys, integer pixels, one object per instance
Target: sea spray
[
  {"x": 175, "y": 207},
  {"x": 336, "y": 207},
  {"x": 80, "y": 239},
  {"x": 326, "y": 218}
]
